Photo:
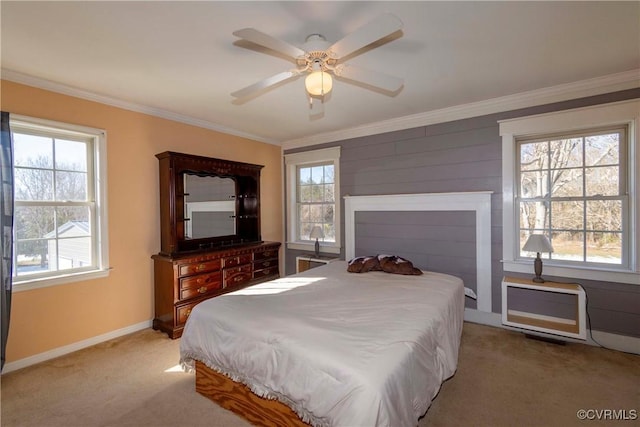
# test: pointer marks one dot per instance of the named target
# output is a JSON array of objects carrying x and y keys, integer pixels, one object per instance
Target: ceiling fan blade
[
  {"x": 263, "y": 84},
  {"x": 380, "y": 27},
  {"x": 369, "y": 77},
  {"x": 258, "y": 37}
]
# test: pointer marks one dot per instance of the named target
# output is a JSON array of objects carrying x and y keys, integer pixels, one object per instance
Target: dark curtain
[{"x": 6, "y": 226}]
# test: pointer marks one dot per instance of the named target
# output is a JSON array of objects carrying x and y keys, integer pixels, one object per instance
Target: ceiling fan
[{"x": 319, "y": 60}]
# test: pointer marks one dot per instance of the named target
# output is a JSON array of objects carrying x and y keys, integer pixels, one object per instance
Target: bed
[{"x": 327, "y": 347}]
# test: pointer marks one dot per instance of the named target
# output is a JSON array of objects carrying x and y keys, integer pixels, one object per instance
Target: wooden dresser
[{"x": 184, "y": 280}]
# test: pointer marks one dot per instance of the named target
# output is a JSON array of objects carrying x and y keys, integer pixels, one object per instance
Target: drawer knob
[
  {"x": 202, "y": 289},
  {"x": 187, "y": 313},
  {"x": 266, "y": 264},
  {"x": 201, "y": 267}
]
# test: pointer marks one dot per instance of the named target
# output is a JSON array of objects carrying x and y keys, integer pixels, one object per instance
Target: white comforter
[{"x": 341, "y": 349}]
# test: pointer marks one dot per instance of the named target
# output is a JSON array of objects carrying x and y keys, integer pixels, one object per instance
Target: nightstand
[
  {"x": 560, "y": 308},
  {"x": 304, "y": 263}
]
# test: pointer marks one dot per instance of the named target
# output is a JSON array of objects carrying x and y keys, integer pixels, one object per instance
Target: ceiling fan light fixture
[{"x": 318, "y": 83}]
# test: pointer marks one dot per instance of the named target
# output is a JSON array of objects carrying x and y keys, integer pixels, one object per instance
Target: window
[
  {"x": 313, "y": 198},
  {"x": 60, "y": 209},
  {"x": 573, "y": 189},
  {"x": 570, "y": 176}
]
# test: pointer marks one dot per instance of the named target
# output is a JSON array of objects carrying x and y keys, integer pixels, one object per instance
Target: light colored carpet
[{"x": 503, "y": 379}]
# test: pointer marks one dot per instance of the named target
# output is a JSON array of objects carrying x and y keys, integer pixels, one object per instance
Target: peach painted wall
[{"x": 48, "y": 318}]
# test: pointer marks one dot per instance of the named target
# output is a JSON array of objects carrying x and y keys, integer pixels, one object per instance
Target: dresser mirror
[{"x": 209, "y": 206}]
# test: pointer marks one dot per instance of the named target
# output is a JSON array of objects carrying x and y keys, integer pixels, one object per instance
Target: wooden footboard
[{"x": 240, "y": 399}]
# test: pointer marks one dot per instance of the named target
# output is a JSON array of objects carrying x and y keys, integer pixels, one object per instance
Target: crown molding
[
  {"x": 590, "y": 87},
  {"x": 49, "y": 85}
]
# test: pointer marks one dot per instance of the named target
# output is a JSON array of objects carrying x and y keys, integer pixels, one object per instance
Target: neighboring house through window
[
  {"x": 313, "y": 198},
  {"x": 60, "y": 232},
  {"x": 572, "y": 176}
]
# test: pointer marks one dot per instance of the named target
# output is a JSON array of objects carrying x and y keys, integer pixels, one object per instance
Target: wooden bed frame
[{"x": 238, "y": 398}]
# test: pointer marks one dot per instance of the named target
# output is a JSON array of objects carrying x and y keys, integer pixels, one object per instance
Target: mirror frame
[{"x": 172, "y": 167}]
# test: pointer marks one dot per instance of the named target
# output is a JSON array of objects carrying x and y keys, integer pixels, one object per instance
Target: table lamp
[
  {"x": 538, "y": 243},
  {"x": 316, "y": 233}
]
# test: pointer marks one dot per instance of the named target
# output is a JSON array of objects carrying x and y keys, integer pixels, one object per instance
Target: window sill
[
  {"x": 28, "y": 285},
  {"x": 599, "y": 274},
  {"x": 311, "y": 247}
]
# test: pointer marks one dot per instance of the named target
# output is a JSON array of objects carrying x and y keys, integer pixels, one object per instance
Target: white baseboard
[
  {"x": 482, "y": 317},
  {"x": 615, "y": 342},
  {"x": 60, "y": 351},
  {"x": 600, "y": 339}
]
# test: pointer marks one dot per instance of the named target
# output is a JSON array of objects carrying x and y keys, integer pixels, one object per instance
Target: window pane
[
  {"x": 328, "y": 174},
  {"x": 534, "y": 184},
  {"x": 71, "y": 186},
  {"x": 73, "y": 221},
  {"x": 329, "y": 233},
  {"x": 329, "y": 194},
  {"x": 71, "y": 155},
  {"x": 317, "y": 193},
  {"x": 315, "y": 213},
  {"x": 567, "y": 215},
  {"x": 602, "y": 149},
  {"x": 566, "y": 183},
  {"x": 534, "y": 215},
  {"x": 566, "y": 153},
  {"x": 534, "y": 156},
  {"x": 604, "y": 181},
  {"x": 327, "y": 213},
  {"x": 34, "y": 222},
  {"x": 317, "y": 174},
  {"x": 568, "y": 245},
  {"x": 604, "y": 215},
  {"x": 32, "y": 257},
  {"x": 604, "y": 247},
  {"x": 304, "y": 176},
  {"x": 72, "y": 253},
  {"x": 305, "y": 230},
  {"x": 32, "y": 151},
  {"x": 33, "y": 184},
  {"x": 304, "y": 193},
  {"x": 303, "y": 213}
]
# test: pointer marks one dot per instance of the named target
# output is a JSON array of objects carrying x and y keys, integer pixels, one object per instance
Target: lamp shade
[
  {"x": 318, "y": 83},
  {"x": 537, "y": 243},
  {"x": 316, "y": 232}
]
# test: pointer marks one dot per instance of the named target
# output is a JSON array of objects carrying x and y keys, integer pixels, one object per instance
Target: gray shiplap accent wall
[{"x": 463, "y": 155}]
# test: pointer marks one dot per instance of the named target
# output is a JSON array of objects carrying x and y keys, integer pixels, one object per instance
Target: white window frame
[
  {"x": 98, "y": 180},
  {"x": 292, "y": 162},
  {"x": 626, "y": 113}
]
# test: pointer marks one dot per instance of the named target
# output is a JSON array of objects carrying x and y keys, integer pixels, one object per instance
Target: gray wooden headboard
[{"x": 478, "y": 202}]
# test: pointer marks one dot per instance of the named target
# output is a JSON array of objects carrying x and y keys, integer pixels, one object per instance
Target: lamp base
[{"x": 538, "y": 279}]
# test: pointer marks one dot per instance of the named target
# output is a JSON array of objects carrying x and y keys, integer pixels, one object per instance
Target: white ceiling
[{"x": 180, "y": 60}]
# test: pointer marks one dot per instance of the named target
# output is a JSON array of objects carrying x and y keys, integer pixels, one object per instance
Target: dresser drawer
[
  {"x": 237, "y": 275},
  {"x": 236, "y": 260},
  {"x": 200, "y": 284},
  {"x": 208, "y": 279},
  {"x": 266, "y": 272},
  {"x": 269, "y": 253},
  {"x": 183, "y": 312},
  {"x": 198, "y": 267},
  {"x": 265, "y": 263}
]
